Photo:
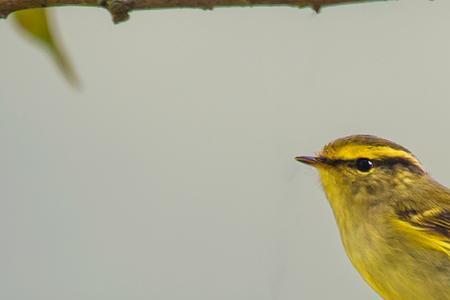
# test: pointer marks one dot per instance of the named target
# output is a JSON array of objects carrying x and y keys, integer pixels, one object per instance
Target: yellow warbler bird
[{"x": 393, "y": 217}]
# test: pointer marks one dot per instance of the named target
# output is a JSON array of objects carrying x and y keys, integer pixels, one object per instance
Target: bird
[{"x": 393, "y": 217}]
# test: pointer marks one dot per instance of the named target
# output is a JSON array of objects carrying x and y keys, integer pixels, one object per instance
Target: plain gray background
[{"x": 170, "y": 175}]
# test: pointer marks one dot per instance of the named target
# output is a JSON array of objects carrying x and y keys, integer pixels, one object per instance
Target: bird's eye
[{"x": 364, "y": 164}]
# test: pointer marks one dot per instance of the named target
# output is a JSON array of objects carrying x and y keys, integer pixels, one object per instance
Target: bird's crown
[{"x": 367, "y": 146}]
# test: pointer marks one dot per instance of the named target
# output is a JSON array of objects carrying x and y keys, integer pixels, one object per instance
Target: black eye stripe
[{"x": 389, "y": 162}]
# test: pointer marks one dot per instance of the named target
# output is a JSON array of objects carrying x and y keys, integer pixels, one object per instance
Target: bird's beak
[{"x": 309, "y": 160}]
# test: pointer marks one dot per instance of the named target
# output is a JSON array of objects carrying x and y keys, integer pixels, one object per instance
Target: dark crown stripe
[{"x": 368, "y": 140}]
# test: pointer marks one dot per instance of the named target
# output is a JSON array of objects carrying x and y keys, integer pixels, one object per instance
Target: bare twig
[{"x": 119, "y": 9}]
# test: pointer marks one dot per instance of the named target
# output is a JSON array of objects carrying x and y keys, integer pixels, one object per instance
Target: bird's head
[{"x": 364, "y": 168}]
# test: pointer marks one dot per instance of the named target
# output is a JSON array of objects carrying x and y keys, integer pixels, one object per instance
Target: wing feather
[{"x": 430, "y": 227}]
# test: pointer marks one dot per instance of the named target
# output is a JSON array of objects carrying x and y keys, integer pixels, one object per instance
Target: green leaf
[{"x": 36, "y": 23}]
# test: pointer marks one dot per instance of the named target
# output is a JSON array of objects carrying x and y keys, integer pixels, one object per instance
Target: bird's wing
[{"x": 430, "y": 227}]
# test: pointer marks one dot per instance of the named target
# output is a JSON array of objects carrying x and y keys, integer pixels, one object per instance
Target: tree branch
[{"x": 119, "y": 9}]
